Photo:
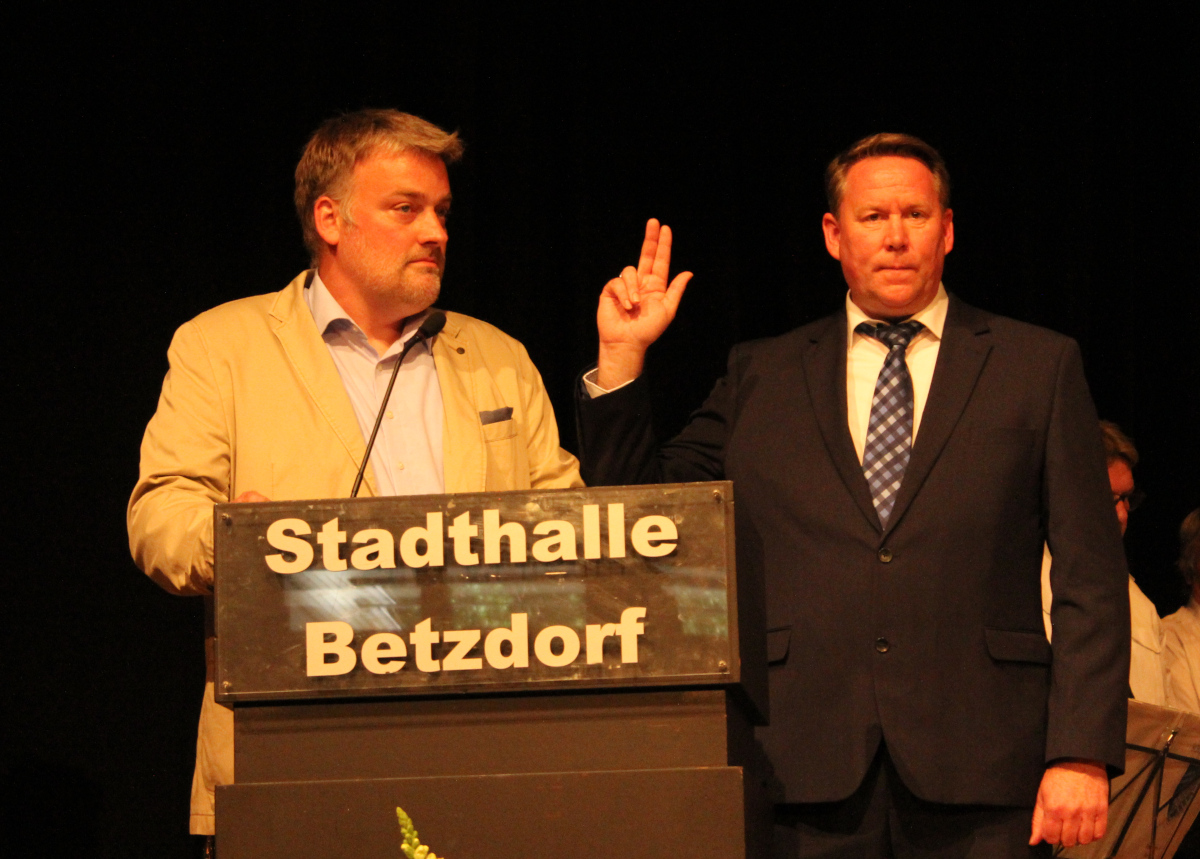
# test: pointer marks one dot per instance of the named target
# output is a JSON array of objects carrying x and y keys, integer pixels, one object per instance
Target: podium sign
[
  {"x": 381, "y": 653},
  {"x": 429, "y": 595}
]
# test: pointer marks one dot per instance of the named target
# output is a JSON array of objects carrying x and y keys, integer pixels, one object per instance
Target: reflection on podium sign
[
  {"x": 569, "y": 672},
  {"x": 1153, "y": 804}
]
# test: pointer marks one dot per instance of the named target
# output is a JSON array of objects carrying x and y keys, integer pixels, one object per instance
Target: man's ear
[
  {"x": 327, "y": 217},
  {"x": 833, "y": 235},
  {"x": 948, "y": 234}
]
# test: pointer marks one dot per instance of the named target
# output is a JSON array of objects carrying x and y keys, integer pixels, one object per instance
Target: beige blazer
[{"x": 252, "y": 401}]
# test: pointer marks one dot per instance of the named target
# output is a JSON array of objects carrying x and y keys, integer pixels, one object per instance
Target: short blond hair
[
  {"x": 342, "y": 142},
  {"x": 1117, "y": 445},
  {"x": 878, "y": 146}
]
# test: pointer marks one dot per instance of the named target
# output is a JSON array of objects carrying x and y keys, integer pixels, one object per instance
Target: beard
[
  {"x": 404, "y": 286},
  {"x": 417, "y": 286}
]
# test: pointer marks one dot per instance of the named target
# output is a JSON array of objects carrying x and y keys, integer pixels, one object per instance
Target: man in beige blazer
[{"x": 260, "y": 403}]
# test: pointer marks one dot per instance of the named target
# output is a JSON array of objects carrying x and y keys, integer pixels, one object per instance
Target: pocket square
[{"x": 496, "y": 415}]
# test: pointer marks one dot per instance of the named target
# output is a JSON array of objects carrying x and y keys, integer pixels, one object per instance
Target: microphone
[{"x": 433, "y": 323}]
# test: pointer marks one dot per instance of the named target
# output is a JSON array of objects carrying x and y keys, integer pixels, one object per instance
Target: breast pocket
[
  {"x": 499, "y": 430},
  {"x": 1003, "y": 437},
  {"x": 507, "y": 460},
  {"x": 496, "y": 416},
  {"x": 1002, "y": 464}
]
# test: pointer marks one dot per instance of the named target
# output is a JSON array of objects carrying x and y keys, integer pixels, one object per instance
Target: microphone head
[{"x": 433, "y": 323}]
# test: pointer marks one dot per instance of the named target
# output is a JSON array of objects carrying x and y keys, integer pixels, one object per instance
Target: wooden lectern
[{"x": 528, "y": 674}]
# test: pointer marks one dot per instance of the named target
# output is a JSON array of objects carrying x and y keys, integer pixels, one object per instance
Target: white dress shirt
[
  {"x": 407, "y": 457},
  {"x": 865, "y": 356},
  {"x": 1181, "y": 633}
]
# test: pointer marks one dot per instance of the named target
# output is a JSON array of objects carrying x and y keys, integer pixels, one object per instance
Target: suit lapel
[
  {"x": 825, "y": 373},
  {"x": 293, "y": 324},
  {"x": 961, "y": 357},
  {"x": 464, "y": 463}
]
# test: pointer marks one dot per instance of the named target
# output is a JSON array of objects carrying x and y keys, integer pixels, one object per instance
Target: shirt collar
[
  {"x": 932, "y": 316},
  {"x": 329, "y": 316}
]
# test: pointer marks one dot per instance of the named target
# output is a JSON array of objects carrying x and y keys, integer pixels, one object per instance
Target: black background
[{"x": 149, "y": 178}]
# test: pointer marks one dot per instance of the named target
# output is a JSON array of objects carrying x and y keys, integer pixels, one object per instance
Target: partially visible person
[
  {"x": 1147, "y": 672},
  {"x": 1181, "y": 630}
]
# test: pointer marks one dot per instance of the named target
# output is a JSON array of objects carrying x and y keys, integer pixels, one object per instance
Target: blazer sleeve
[
  {"x": 618, "y": 444},
  {"x": 185, "y": 469},
  {"x": 1089, "y": 578}
]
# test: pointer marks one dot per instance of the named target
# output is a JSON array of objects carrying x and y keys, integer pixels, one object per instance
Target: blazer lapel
[
  {"x": 825, "y": 373},
  {"x": 293, "y": 325},
  {"x": 464, "y": 463},
  {"x": 961, "y": 358}
]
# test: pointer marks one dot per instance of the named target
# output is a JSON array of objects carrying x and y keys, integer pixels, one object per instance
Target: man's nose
[
  {"x": 896, "y": 235},
  {"x": 1122, "y": 506},
  {"x": 431, "y": 229}
]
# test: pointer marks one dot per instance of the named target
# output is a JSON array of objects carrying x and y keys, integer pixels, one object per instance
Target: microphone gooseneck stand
[{"x": 431, "y": 326}]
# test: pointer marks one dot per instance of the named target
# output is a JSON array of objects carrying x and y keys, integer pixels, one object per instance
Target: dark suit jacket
[{"x": 927, "y": 635}]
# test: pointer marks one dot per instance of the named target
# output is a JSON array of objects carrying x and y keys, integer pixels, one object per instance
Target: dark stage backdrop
[{"x": 149, "y": 178}]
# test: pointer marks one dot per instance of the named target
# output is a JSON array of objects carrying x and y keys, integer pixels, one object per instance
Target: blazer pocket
[
  {"x": 1010, "y": 645},
  {"x": 1003, "y": 436},
  {"x": 499, "y": 430},
  {"x": 779, "y": 642},
  {"x": 492, "y": 416}
]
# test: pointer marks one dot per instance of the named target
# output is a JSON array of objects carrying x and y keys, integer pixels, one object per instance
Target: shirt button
[
  {"x": 400, "y": 466},
  {"x": 881, "y": 644},
  {"x": 885, "y": 555},
  {"x": 390, "y": 414}
]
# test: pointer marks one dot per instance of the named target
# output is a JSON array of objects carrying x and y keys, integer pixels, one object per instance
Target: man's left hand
[{"x": 1072, "y": 804}]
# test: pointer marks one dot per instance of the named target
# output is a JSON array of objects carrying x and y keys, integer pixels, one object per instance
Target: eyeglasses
[{"x": 1132, "y": 500}]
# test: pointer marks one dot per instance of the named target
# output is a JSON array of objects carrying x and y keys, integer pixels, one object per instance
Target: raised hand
[{"x": 636, "y": 308}]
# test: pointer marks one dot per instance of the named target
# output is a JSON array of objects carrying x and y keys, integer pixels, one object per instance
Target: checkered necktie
[{"x": 889, "y": 432}]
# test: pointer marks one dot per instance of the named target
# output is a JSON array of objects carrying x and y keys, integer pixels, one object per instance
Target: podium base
[
  {"x": 674, "y": 812},
  {"x": 654, "y": 773}
]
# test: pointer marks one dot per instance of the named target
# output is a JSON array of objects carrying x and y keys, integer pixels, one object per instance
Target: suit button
[
  {"x": 885, "y": 555},
  {"x": 881, "y": 644}
]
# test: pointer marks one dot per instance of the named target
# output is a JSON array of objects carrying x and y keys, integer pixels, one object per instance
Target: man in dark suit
[{"x": 897, "y": 467}]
